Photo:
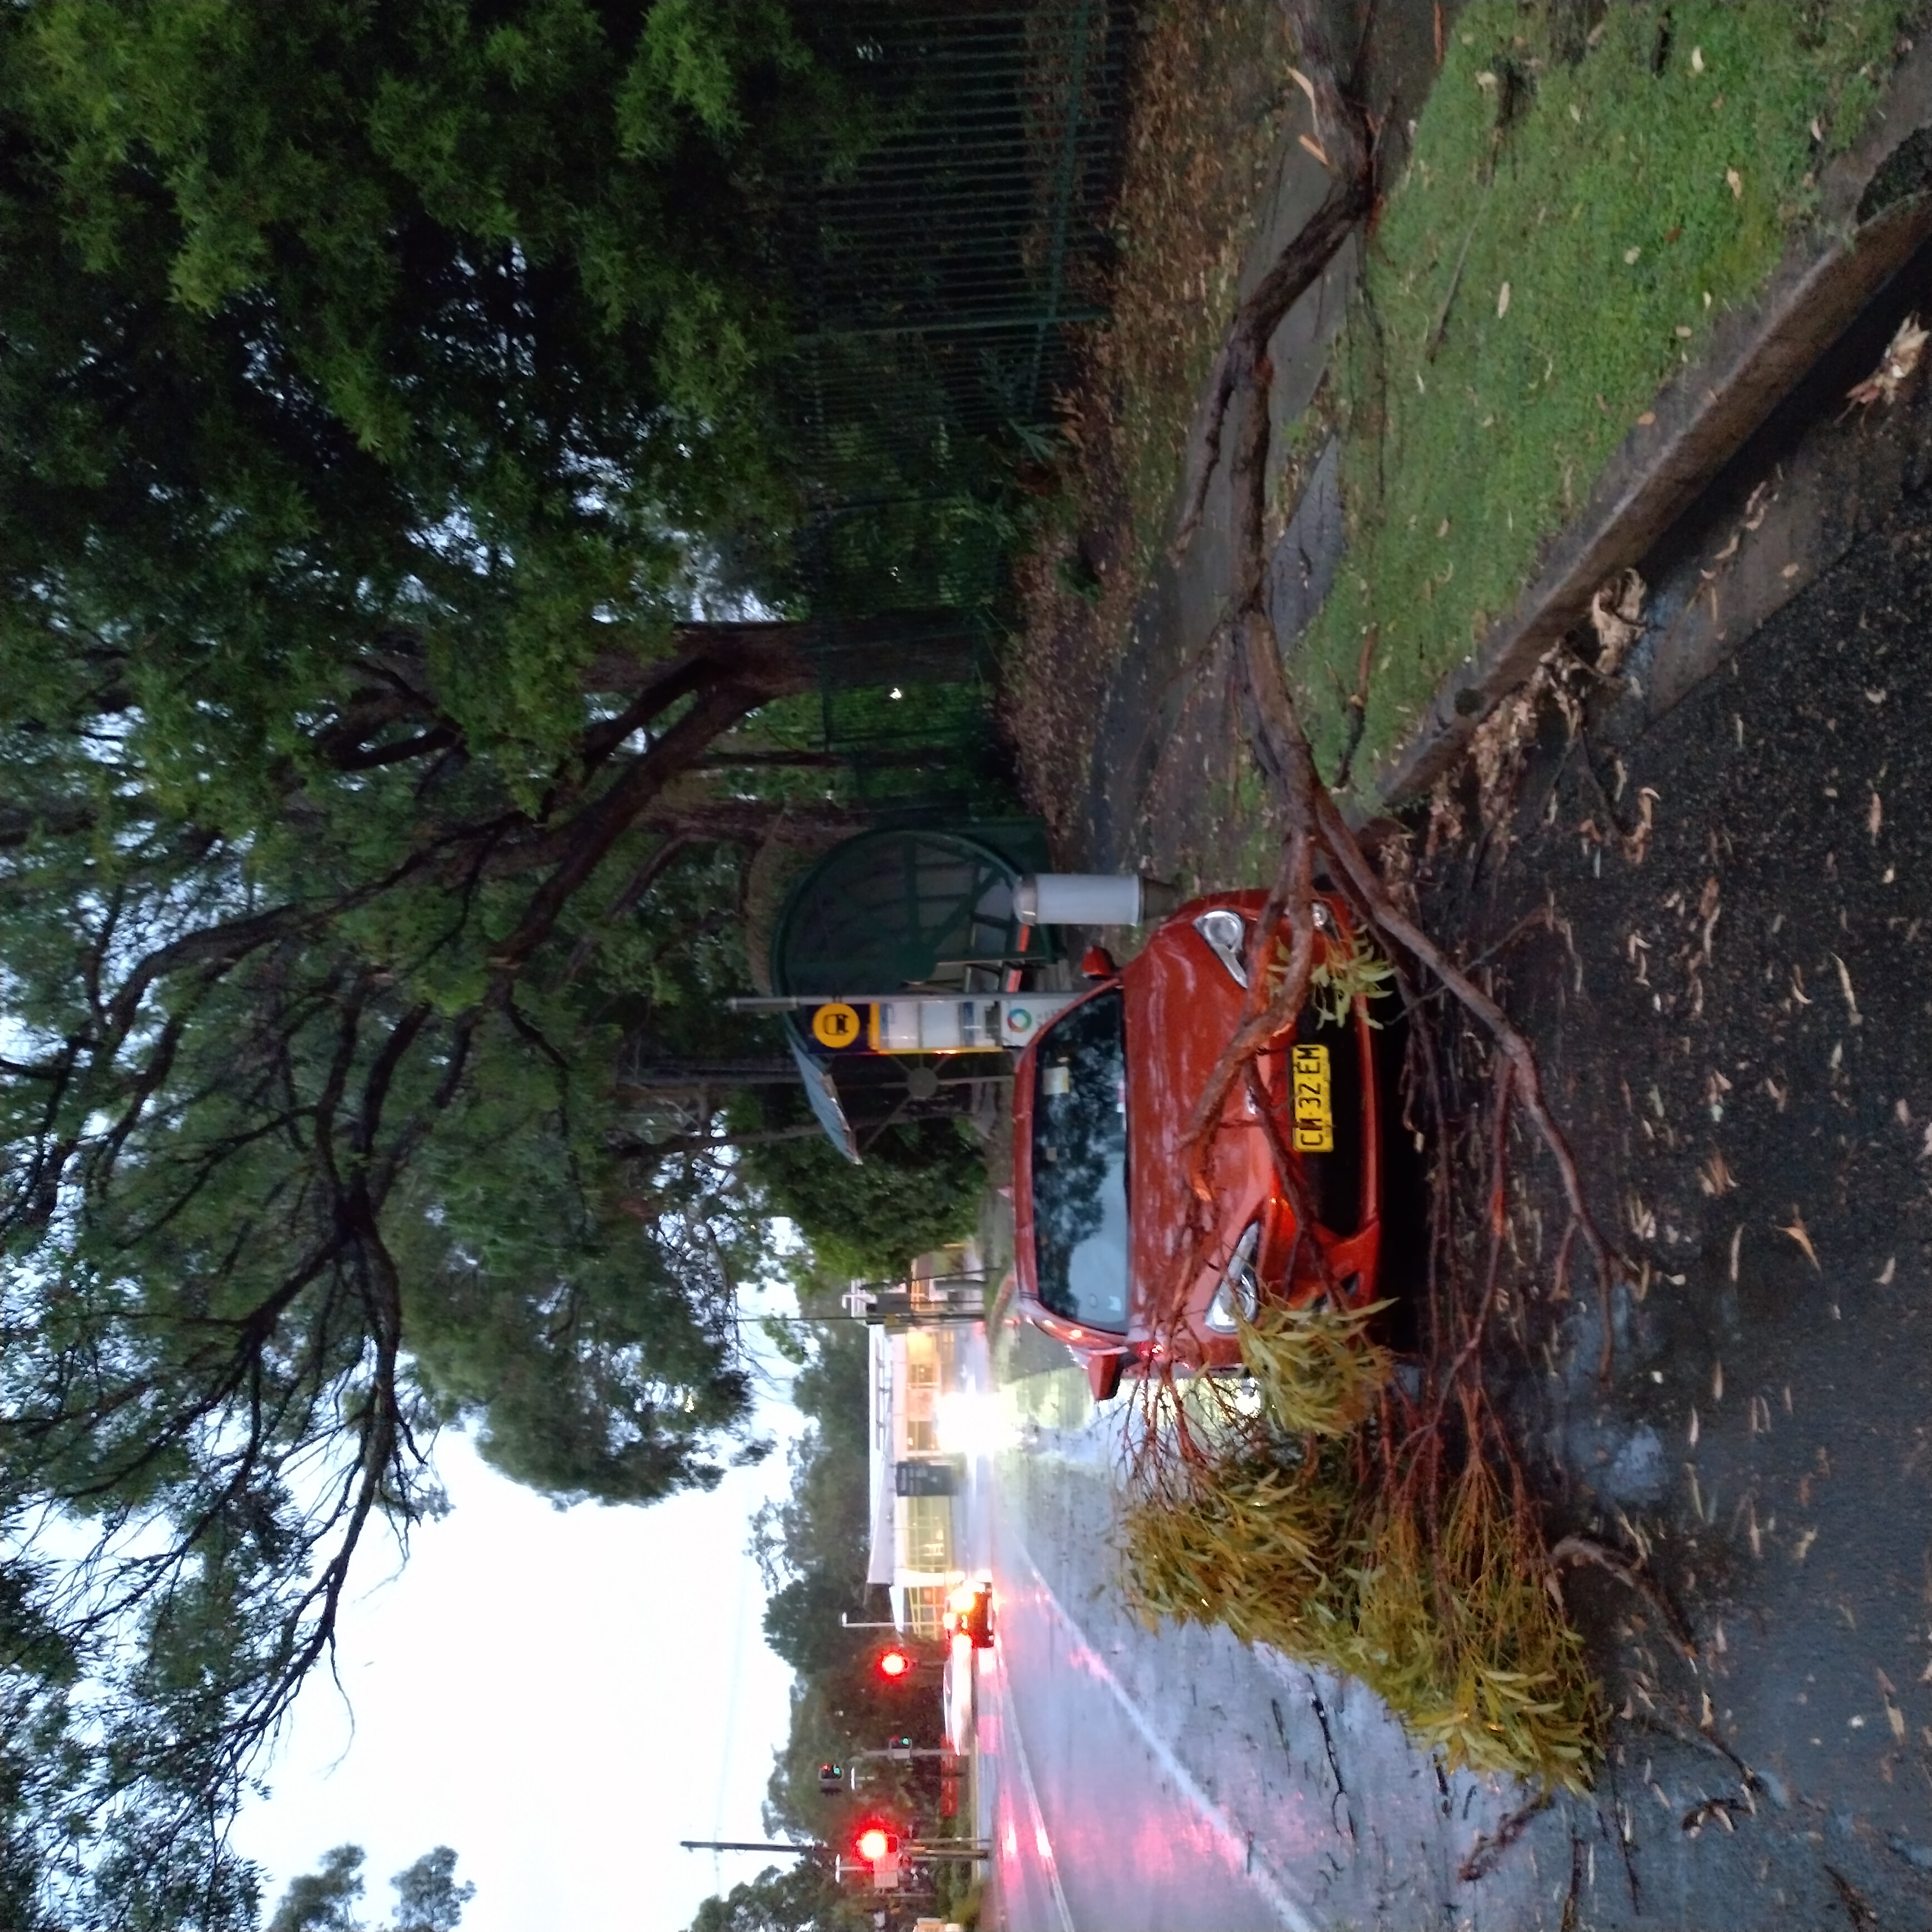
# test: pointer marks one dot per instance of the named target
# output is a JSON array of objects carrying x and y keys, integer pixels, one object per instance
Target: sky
[{"x": 561, "y": 1695}]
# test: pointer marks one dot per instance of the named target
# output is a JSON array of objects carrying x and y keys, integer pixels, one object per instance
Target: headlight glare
[{"x": 1241, "y": 1288}]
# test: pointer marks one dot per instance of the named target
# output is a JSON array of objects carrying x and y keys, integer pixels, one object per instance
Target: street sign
[
  {"x": 919, "y": 1477},
  {"x": 835, "y": 1024}
]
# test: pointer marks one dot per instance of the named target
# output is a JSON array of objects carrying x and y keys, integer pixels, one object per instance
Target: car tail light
[{"x": 1241, "y": 1288}]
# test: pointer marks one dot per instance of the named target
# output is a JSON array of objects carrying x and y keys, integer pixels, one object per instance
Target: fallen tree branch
[
  {"x": 1250, "y": 1518},
  {"x": 1346, "y": 145}
]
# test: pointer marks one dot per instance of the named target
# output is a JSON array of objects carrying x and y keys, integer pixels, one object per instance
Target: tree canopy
[
  {"x": 428, "y": 1899},
  {"x": 804, "y": 1896},
  {"x": 381, "y": 391}
]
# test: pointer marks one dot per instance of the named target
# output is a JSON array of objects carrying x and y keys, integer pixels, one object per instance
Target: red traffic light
[
  {"x": 875, "y": 1843},
  {"x": 894, "y": 1662}
]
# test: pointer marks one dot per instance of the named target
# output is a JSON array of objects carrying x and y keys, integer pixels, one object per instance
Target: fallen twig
[
  {"x": 1587, "y": 1549},
  {"x": 1486, "y": 1853}
]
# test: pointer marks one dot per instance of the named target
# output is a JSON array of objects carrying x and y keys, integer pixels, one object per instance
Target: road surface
[{"x": 1729, "y": 979}]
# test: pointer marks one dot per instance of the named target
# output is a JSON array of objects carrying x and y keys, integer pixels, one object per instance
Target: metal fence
[
  {"x": 957, "y": 255},
  {"x": 946, "y": 277}
]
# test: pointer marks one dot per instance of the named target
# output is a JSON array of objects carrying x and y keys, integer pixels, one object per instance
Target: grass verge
[{"x": 1577, "y": 211}]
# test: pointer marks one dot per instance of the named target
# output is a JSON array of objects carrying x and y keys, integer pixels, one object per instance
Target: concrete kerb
[{"x": 1701, "y": 419}]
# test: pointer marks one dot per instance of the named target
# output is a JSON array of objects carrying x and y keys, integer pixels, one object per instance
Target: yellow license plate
[{"x": 1314, "y": 1116}]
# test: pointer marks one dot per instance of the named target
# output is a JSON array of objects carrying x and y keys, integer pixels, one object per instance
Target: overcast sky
[{"x": 560, "y": 1695}]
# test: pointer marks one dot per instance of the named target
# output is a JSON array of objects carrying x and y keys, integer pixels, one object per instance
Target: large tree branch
[
  {"x": 1281, "y": 746},
  {"x": 590, "y": 835}
]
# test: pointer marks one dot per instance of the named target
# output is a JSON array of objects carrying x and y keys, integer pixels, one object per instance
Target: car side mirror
[
  {"x": 1103, "y": 1375},
  {"x": 1097, "y": 963}
]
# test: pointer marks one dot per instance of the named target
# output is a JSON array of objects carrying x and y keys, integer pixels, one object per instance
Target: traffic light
[
  {"x": 831, "y": 1780},
  {"x": 875, "y": 1843},
  {"x": 894, "y": 1664},
  {"x": 901, "y": 1744}
]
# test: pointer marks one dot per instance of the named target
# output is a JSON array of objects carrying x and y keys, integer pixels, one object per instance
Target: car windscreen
[{"x": 1080, "y": 1164}]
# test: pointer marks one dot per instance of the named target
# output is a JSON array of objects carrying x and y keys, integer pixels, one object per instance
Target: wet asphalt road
[
  {"x": 1154, "y": 1783},
  {"x": 1738, "y": 1025},
  {"x": 1734, "y": 1015}
]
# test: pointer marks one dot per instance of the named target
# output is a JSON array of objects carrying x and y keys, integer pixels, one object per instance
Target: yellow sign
[{"x": 835, "y": 1025}]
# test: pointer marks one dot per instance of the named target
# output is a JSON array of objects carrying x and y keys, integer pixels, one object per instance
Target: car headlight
[
  {"x": 1240, "y": 1288},
  {"x": 1226, "y": 934}
]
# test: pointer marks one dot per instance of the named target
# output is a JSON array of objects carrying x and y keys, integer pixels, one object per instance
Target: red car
[{"x": 1102, "y": 1101}]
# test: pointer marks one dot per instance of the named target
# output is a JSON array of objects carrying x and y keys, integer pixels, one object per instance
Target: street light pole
[{"x": 748, "y": 1845}]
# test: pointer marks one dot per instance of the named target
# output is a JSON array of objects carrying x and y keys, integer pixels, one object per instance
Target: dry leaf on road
[
  {"x": 1851, "y": 998},
  {"x": 1714, "y": 1177},
  {"x": 1616, "y": 616},
  {"x": 1797, "y": 1232},
  {"x": 1895, "y": 367}
]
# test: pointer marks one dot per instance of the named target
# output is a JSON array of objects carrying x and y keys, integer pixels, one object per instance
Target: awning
[{"x": 822, "y": 1097}]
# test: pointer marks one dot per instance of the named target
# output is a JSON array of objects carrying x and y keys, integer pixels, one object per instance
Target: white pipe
[{"x": 1078, "y": 898}]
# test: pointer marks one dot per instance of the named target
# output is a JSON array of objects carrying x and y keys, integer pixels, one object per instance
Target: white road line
[
  {"x": 1009, "y": 1732},
  {"x": 1290, "y": 1914}
]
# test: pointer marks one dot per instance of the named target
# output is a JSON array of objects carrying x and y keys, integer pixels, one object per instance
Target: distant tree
[
  {"x": 813, "y": 1549},
  {"x": 324, "y": 1899},
  {"x": 918, "y": 1188},
  {"x": 802, "y": 1621},
  {"x": 428, "y": 1899},
  {"x": 802, "y": 1896}
]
